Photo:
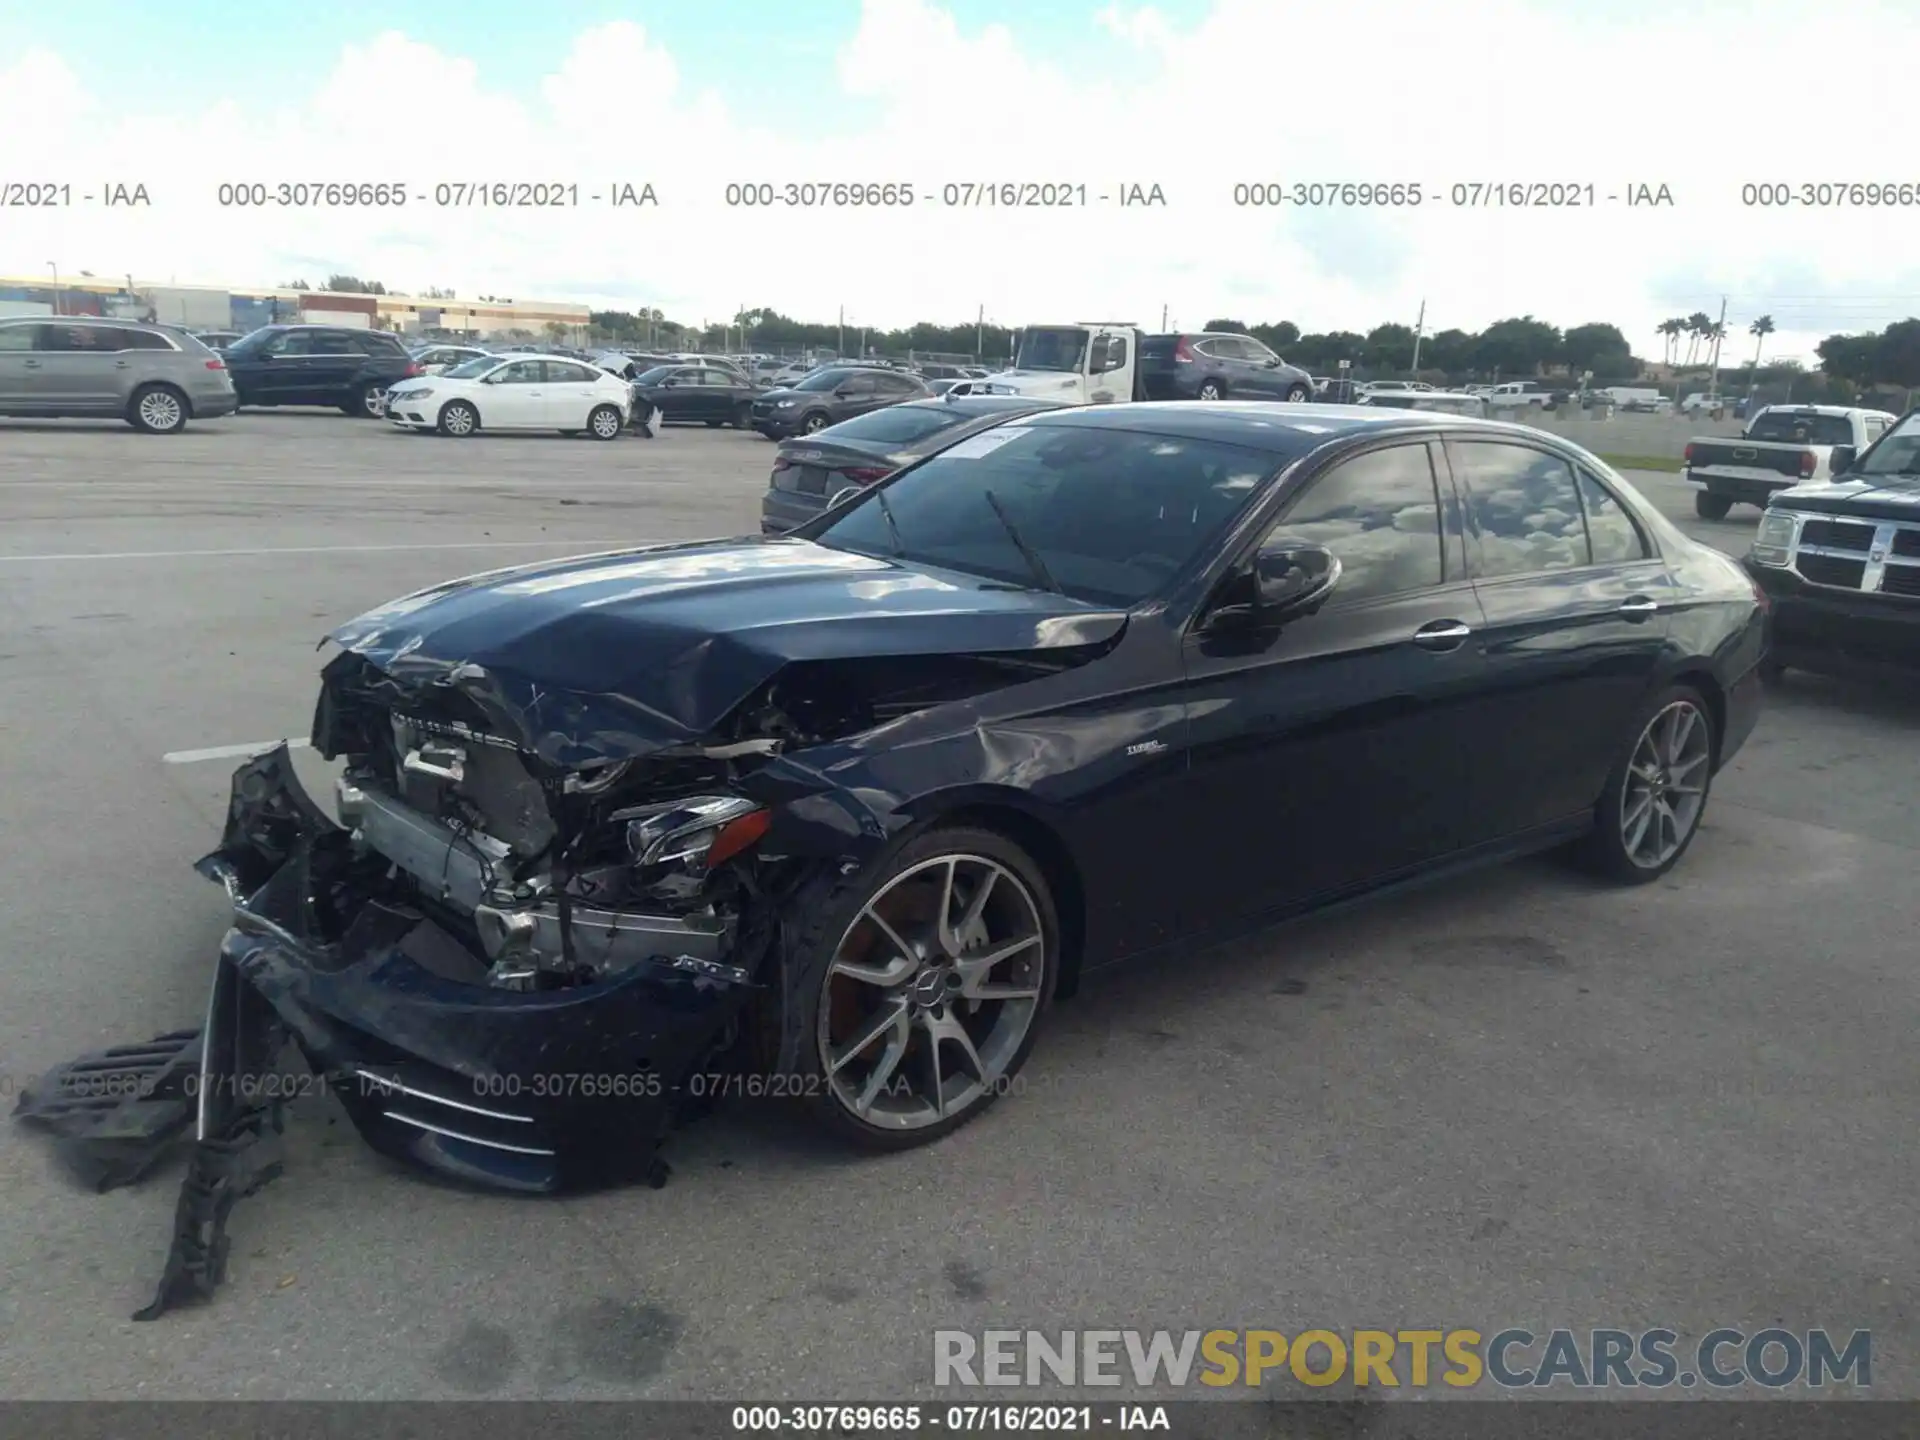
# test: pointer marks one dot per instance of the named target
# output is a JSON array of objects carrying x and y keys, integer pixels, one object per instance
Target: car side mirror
[
  {"x": 1272, "y": 362},
  {"x": 1841, "y": 459},
  {"x": 1292, "y": 577}
]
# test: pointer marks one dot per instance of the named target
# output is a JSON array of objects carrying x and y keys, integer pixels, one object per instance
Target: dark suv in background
[
  {"x": 830, "y": 395},
  {"x": 319, "y": 365},
  {"x": 1216, "y": 365}
]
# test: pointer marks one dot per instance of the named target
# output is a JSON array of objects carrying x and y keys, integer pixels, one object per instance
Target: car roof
[
  {"x": 1271, "y": 425},
  {"x": 120, "y": 320}
]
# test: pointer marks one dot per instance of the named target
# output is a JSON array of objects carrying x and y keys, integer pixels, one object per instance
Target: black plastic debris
[
  {"x": 115, "y": 1115},
  {"x": 221, "y": 1172}
]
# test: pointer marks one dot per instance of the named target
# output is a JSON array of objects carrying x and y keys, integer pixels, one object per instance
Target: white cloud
[{"x": 1375, "y": 91}]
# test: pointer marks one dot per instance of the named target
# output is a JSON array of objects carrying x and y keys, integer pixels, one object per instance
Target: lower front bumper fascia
[
  {"x": 1820, "y": 629},
  {"x": 525, "y": 1091}
]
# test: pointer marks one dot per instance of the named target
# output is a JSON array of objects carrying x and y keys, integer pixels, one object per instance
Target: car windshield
[
  {"x": 1898, "y": 452},
  {"x": 1056, "y": 349},
  {"x": 1111, "y": 514},
  {"x": 1787, "y": 427},
  {"x": 826, "y": 380},
  {"x": 896, "y": 425},
  {"x": 472, "y": 369},
  {"x": 655, "y": 375}
]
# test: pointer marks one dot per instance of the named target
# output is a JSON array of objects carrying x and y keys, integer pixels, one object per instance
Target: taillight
[
  {"x": 216, "y": 363},
  {"x": 866, "y": 474},
  {"x": 1808, "y": 463},
  {"x": 1183, "y": 351},
  {"x": 413, "y": 369},
  {"x": 1687, "y": 457},
  {"x": 780, "y": 463}
]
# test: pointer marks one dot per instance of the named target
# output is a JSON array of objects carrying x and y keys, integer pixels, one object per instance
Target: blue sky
[{"x": 772, "y": 59}]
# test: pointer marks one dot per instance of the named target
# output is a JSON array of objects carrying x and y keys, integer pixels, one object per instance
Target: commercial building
[{"x": 200, "y": 307}]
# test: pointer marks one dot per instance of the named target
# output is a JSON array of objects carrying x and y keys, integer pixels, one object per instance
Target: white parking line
[
  {"x": 302, "y": 550},
  {"x": 229, "y": 752}
]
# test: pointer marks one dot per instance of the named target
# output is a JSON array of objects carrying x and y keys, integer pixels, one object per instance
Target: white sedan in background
[{"x": 514, "y": 392}]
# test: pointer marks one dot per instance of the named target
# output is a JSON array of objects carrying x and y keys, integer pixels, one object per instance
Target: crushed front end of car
[{"x": 542, "y": 906}]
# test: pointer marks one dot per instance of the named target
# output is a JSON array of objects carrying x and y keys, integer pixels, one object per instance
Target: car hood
[
  {"x": 613, "y": 656},
  {"x": 1884, "y": 496}
]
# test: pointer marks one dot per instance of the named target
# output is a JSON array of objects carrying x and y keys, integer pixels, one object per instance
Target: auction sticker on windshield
[{"x": 985, "y": 443}]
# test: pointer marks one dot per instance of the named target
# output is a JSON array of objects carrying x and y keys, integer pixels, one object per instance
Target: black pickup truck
[{"x": 1840, "y": 560}]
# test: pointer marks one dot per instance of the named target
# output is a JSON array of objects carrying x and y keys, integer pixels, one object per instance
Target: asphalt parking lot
[{"x": 1513, "y": 1100}]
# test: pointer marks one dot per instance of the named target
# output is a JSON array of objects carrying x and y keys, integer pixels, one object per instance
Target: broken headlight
[{"x": 697, "y": 833}]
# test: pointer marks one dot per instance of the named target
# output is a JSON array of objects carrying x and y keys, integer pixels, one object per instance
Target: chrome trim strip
[
  {"x": 387, "y": 1084},
  {"x": 470, "y": 1139},
  {"x": 1877, "y": 557}
]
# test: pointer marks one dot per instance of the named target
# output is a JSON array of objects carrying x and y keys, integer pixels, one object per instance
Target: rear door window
[
  {"x": 1614, "y": 537},
  {"x": 1525, "y": 505}
]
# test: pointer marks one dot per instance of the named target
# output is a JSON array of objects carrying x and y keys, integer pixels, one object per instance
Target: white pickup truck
[
  {"x": 1085, "y": 364},
  {"x": 1784, "y": 446}
]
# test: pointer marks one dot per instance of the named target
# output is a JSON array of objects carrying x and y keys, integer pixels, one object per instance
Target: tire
[
  {"x": 1607, "y": 850},
  {"x": 814, "y": 423},
  {"x": 1709, "y": 506},
  {"x": 1211, "y": 390},
  {"x": 370, "y": 403},
  {"x": 459, "y": 419},
  {"x": 1299, "y": 394},
  {"x": 604, "y": 422},
  {"x": 831, "y": 913},
  {"x": 742, "y": 418},
  {"x": 158, "y": 410}
]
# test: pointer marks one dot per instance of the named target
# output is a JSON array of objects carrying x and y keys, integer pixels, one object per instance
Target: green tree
[
  {"x": 1853, "y": 358},
  {"x": 1897, "y": 357},
  {"x": 1390, "y": 347},
  {"x": 1233, "y": 327},
  {"x": 1280, "y": 337},
  {"x": 1760, "y": 329},
  {"x": 1695, "y": 327},
  {"x": 353, "y": 285},
  {"x": 1670, "y": 331},
  {"x": 1450, "y": 351},
  {"x": 1600, "y": 348},
  {"x": 1521, "y": 346}
]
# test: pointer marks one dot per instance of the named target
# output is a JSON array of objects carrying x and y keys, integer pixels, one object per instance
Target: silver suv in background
[{"x": 155, "y": 377}]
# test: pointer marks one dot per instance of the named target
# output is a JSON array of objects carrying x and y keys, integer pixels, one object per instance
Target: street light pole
[
  {"x": 1419, "y": 329},
  {"x": 56, "y": 286}
]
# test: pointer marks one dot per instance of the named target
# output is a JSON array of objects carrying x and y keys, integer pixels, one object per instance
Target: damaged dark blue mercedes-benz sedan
[{"x": 834, "y": 817}]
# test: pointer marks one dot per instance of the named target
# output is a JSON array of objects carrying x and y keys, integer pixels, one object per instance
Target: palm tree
[
  {"x": 1669, "y": 331},
  {"x": 1696, "y": 325},
  {"x": 1760, "y": 329}
]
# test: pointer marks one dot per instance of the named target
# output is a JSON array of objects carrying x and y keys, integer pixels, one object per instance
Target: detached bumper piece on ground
[{"x": 506, "y": 1089}]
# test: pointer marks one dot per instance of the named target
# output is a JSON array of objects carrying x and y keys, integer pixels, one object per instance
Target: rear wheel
[
  {"x": 1709, "y": 506},
  {"x": 158, "y": 410},
  {"x": 1651, "y": 808},
  {"x": 1212, "y": 390},
  {"x": 922, "y": 986},
  {"x": 371, "y": 401},
  {"x": 604, "y": 423},
  {"x": 458, "y": 419}
]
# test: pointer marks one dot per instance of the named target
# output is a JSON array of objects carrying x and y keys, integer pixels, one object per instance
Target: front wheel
[
  {"x": 1212, "y": 390},
  {"x": 1709, "y": 506},
  {"x": 813, "y": 424},
  {"x": 922, "y": 985},
  {"x": 1298, "y": 394},
  {"x": 1651, "y": 808},
  {"x": 604, "y": 423},
  {"x": 458, "y": 419}
]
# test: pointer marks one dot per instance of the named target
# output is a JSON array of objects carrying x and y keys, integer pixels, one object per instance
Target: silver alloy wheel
[
  {"x": 932, "y": 992},
  {"x": 458, "y": 419},
  {"x": 1666, "y": 785},
  {"x": 606, "y": 423},
  {"x": 375, "y": 400},
  {"x": 1209, "y": 391},
  {"x": 1297, "y": 395},
  {"x": 160, "y": 410},
  {"x": 814, "y": 424}
]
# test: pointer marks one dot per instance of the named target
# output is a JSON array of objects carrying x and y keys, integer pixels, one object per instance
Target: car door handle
[
  {"x": 1639, "y": 606},
  {"x": 33, "y": 364},
  {"x": 1441, "y": 635},
  {"x": 120, "y": 364}
]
